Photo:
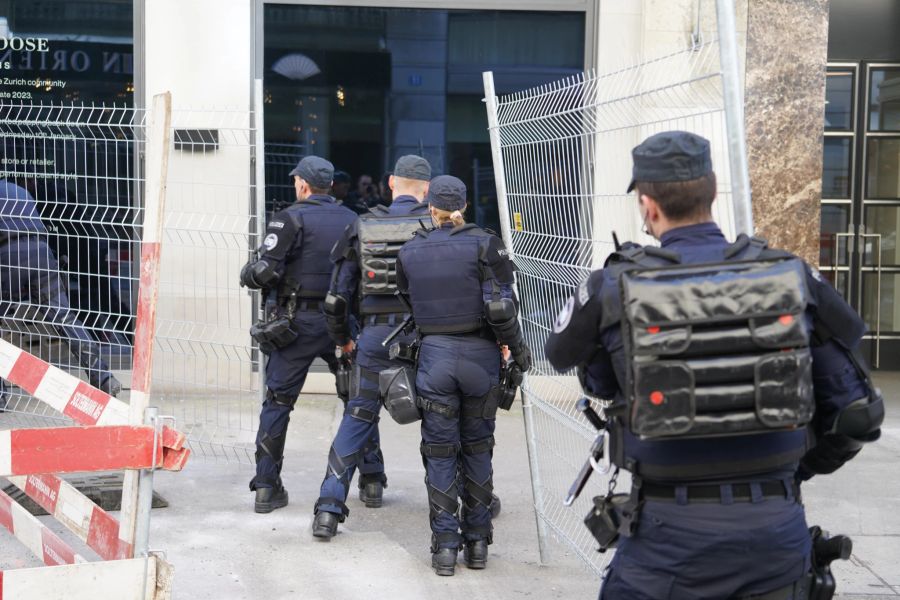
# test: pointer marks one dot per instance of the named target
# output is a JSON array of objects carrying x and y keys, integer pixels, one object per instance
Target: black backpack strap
[
  {"x": 643, "y": 256},
  {"x": 747, "y": 247}
]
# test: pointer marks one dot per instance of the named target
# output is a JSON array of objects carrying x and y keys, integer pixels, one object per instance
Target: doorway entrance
[{"x": 861, "y": 199}]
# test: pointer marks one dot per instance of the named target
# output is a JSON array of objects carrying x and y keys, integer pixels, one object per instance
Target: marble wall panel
[{"x": 784, "y": 111}]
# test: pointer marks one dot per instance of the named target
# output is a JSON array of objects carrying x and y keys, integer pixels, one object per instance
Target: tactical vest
[
  {"x": 444, "y": 269},
  {"x": 715, "y": 360},
  {"x": 308, "y": 271},
  {"x": 380, "y": 236}
]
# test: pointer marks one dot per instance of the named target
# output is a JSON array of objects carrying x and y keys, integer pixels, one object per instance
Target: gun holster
[
  {"x": 277, "y": 331},
  {"x": 511, "y": 378},
  {"x": 826, "y": 549},
  {"x": 408, "y": 353},
  {"x": 342, "y": 378}
]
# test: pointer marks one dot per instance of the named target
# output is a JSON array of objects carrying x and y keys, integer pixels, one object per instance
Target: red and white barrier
[
  {"x": 133, "y": 579},
  {"x": 93, "y": 525},
  {"x": 42, "y": 542}
]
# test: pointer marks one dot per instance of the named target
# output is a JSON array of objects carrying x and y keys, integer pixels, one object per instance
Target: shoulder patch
[
  {"x": 276, "y": 224},
  {"x": 564, "y": 316},
  {"x": 271, "y": 241},
  {"x": 816, "y": 275}
]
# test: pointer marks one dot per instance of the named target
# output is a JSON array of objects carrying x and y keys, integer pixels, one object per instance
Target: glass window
[
  {"x": 833, "y": 250},
  {"x": 883, "y": 220},
  {"x": 59, "y": 50},
  {"x": 839, "y": 101},
  {"x": 884, "y": 100},
  {"x": 363, "y": 86},
  {"x": 888, "y": 300},
  {"x": 883, "y": 168},
  {"x": 836, "y": 167}
]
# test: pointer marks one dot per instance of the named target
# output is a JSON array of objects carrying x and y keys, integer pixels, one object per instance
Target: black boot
[
  {"x": 444, "y": 561},
  {"x": 268, "y": 499},
  {"x": 476, "y": 553},
  {"x": 325, "y": 525},
  {"x": 371, "y": 494}
]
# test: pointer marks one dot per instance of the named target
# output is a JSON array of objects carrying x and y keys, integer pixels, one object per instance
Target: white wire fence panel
[
  {"x": 206, "y": 371},
  {"x": 70, "y": 216},
  {"x": 566, "y": 154},
  {"x": 71, "y": 193}
]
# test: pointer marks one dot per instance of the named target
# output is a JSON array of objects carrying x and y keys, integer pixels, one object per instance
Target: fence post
[
  {"x": 490, "y": 98},
  {"x": 145, "y": 323},
  {"x": 733, "y": 95},
  {"x": 259, "y": 144}
]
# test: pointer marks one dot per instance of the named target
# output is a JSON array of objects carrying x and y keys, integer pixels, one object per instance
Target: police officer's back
[
  {"x": 724, "y": 362},
  {"x": 459, "y": 279},
  {"x": 364, "y": 286},
  {"x": 294, "y": 271}
]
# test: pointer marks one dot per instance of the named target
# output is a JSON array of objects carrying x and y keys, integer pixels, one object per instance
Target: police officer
[
  {"x": 363, "y": 287},
  {"x": 459, "y": 280},
  {"x": 714, "y": 372},
  {"x": 29, "y": 275},
  {"x": 293, "y": 268}
]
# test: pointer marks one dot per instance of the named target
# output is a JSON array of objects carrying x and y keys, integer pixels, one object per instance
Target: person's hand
[
  {"x": 348, "y": 348},
  {"x": 505, "y": 353}
]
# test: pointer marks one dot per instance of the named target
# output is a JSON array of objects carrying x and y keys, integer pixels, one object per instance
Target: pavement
[{"x": 222, "y": 550}]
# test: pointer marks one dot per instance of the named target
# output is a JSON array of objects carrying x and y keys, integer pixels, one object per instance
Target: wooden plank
[
  {"x": 90, "y": 523},
  {"x": 42, "y": 542},
  {"x": 118, "y": 579},
  {"x": 145, "y": 324}
]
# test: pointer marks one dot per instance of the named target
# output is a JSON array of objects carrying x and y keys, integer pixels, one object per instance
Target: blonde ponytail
[{"x": 441, "y": 216}]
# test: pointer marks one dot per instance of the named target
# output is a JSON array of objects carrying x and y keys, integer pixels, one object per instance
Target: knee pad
[
  {"x": 476, "y": 493},
  {"x": 282, "y": 399},
  {"x": 479, "y": 447},
  {"x": 272, "y": 447}
]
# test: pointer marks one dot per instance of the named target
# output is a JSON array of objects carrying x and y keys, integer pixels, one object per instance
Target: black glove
[{"x": 521, "y": 354}]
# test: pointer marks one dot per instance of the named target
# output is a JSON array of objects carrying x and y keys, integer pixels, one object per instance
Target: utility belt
[
  {"x": 390, "y": 319},
  {"x": 277, "y": 329}
]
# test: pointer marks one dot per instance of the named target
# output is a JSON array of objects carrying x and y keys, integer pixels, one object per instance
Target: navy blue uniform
[
  {"x": 30, "y": 276},
  {"x": 729, "y": 547},
  {"x": 449, "y": 274},
  {"x": 357, "y": 444},
  {"x": 296, "y": 253}
]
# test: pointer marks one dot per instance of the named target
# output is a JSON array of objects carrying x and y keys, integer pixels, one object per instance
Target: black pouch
[
  {"x": 342, "y": 380},
  {"x": 274, "y": 334},
  {"x": 510, "y": 380},
  {"x": 603, "y": 520},
  {"x": 484, "y": 407}
]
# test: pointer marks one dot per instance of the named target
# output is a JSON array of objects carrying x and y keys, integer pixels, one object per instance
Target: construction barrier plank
[
  {"x": 73, "y": 449},
  {"x": 115, "y": 579},
  {"x": 84, "y": 404},
  {"x": 93, "y": 526},
  {"x": 42, "y": 542}
]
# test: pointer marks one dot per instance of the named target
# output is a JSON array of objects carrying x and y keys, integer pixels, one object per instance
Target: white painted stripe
[
  {"x": 115, "y": 413},
  {"x": 119, "y": 579},
  {"x": 9, "y": 354},
  {"x": 56, "y": 388},
  {"x": 28, "y": 530},
  {"x": 6, "y": 451}
]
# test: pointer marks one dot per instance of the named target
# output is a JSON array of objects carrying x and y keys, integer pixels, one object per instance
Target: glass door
[{"x": 859, "y": 250}]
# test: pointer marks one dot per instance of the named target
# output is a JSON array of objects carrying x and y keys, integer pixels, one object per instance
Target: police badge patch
[
  {"x": 564, "y": 316},
  {"x": 271, "y": 241}
]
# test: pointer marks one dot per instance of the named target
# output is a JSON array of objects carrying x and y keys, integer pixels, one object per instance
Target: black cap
[
  {"x": 315, "y": 171},
  {"x": 342, "y": 177},
  {"x": 447, "y": 193},
  {"x": 670, "y": 156},
  {"x": 411, "y": 166}
]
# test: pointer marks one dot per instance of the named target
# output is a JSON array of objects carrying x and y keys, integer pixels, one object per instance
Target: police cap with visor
[
  {"x": 447, "y": 192},
  {"x": 315, "y": 171},
  {"x": 670, "y": 156},
  {"x": 411, "y": 166}
]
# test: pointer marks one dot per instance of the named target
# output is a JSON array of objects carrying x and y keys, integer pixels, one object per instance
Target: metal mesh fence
[
  {"x": 565, "y": 163},
  {"x": 70, "y": 222}
]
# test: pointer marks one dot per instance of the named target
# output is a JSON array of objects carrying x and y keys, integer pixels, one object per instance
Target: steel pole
[
  {"x": 733, "y": 93},
  {"x": 260, "y": 201},
  {"x": 527, "y": 409}
]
